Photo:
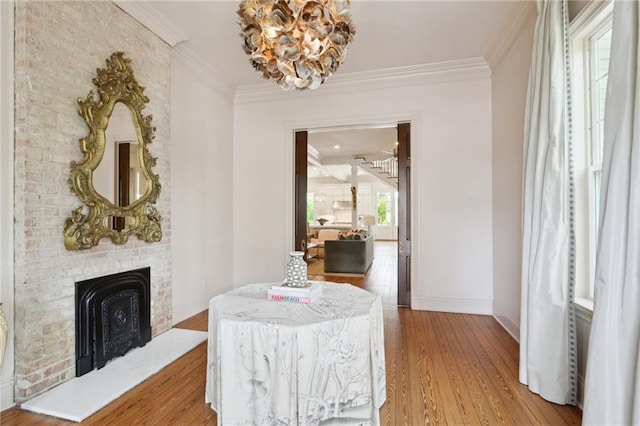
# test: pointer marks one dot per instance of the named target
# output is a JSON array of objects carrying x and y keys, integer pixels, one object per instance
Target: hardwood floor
[{"x": 441, "y": 368}]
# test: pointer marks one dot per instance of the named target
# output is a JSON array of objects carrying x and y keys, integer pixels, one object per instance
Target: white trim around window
[{"x": 589, "y": 63}]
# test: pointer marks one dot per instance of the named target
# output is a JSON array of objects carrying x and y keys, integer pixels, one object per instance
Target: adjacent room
[
  {"x": 352, "y": 195},
  {"x": 319, "y": 212}
]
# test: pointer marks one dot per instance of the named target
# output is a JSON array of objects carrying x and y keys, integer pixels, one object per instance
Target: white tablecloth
[{"x": 287, "y": 363}]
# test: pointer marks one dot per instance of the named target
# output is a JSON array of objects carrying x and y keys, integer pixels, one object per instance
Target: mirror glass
[
  {"x": 119, "y": 177},
  {"x": 114, "y": 180}
]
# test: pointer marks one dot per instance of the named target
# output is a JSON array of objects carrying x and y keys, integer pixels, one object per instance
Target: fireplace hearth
[{"x": 113, "y": 316}]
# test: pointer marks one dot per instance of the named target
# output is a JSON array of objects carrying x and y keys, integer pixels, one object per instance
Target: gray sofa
[{"x": 348, "y": 256}]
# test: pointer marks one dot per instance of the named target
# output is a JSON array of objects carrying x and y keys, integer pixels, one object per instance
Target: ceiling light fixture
[{"x": 298, "y": 43}]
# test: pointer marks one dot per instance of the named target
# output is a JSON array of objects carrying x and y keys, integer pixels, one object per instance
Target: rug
[
  {"x": 82, "y": 396},
  {"x": 316, "y": 267}
]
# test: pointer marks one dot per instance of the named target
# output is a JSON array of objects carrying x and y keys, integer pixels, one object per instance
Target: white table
[{"x": 286, "y": 363}]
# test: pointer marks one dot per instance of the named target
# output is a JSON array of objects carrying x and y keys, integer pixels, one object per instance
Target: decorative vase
[{"x": 296, "y": 270}]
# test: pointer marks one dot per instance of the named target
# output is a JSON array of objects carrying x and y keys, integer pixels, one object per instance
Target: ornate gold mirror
[{"x": 114, "y": 180}]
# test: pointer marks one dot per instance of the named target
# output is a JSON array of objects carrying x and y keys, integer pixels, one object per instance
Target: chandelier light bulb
[{"x": 297, "y": 43}]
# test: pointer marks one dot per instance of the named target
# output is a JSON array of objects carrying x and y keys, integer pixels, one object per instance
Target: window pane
[
  {"x": 602, "y": 51},
  {"x": 310, "y": 207},
  {"x": 384, "y": 208},
  {"x": 594, "y": 45}
]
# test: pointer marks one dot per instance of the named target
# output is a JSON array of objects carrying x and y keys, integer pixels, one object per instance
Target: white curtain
[
  {"x": 612, "y": 394},
  {"x": 547, "y": 327}
]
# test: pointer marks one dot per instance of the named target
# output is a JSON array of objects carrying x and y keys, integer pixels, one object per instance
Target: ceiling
[
  {"x": 389, "y": 34},
  {"x": 335, "y": 145},
  {"x": 336, "y": 148}
]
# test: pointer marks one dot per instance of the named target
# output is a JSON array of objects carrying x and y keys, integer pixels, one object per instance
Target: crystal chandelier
[{"x": 297, "y": 43}]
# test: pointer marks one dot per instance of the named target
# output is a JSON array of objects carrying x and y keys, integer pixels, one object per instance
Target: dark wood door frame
[
  {"x": 404, "y": 214},
  {"x": 404, "y": 204},
  {"x": 300, "y": 191}
]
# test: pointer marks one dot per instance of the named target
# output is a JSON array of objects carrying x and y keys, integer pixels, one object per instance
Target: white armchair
[{"x": 323, "y": 235}]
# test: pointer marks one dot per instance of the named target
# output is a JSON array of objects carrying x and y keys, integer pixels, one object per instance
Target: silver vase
[{"x": 296, "y": 270}]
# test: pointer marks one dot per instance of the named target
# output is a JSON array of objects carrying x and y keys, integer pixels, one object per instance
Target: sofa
[{"x": 353, "y": 256}]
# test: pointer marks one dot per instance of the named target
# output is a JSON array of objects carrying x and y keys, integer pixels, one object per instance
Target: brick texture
[{"x": 58, "y": 47}]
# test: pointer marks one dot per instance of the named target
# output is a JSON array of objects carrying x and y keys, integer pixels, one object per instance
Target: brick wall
[{"x": 58, "y": 46}]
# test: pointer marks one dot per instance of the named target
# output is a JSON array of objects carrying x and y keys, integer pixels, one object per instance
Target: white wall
[
  {"x": 509, "y": 93},
  {"x": 201, "y": 161},
  {"x": 6, "y": 195},
  {"x": 451, "y": 179}
]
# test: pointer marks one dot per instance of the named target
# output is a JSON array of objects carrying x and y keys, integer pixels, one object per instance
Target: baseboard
[
  {"x": 459, "y": 306},
  {"x": 6, "y": 394},
  {"x": 509, "y": 324}
]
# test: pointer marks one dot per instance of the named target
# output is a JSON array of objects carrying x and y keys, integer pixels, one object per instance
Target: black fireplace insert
[{"x": 113, "y": 316}]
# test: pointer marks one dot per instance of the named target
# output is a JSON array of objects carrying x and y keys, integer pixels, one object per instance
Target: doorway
[{"x": 337, "y": 187}]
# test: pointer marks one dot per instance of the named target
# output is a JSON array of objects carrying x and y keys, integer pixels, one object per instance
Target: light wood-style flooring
[{"x": 441, "y": 369}]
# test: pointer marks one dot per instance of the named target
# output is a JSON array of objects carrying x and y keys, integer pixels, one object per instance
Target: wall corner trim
[
  {"x": 6, "y": 394},
  {"x": 439, "y": 72},
  {"x": 512, "y": 326},
  {"x": 7, "y": 195},
  {"x": 590, "y": 15},
  {"x": 148, "y": 16},
  {"x": 507, "y": 33}
]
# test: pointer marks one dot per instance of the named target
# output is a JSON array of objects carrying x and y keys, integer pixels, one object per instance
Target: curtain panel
[
  {"x": 612, "y": 388},
  {"x": 547, "y": 323}
]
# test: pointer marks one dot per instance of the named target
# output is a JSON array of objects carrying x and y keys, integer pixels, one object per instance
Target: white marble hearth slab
[{"x": 80, "y": 397}]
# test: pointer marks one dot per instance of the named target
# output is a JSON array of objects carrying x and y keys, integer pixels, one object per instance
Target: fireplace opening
[{"x": 113, "y": 316}]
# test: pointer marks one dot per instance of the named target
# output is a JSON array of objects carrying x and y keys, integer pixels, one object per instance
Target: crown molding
[
  {"x": 148, "y": 16},
  {"x": 202, "y": 71},
  {"x": 440, "y": 72},
  {"x": 592, "y": 14},
  {"x": 507, "y": 34}
]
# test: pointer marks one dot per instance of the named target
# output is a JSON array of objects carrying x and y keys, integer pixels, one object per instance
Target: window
[
  {"x": 310, "y": 207},
  {"x": 384, "y": 208},
  {"x": 387, "y": 208},
  {"x": 590, "y": 44}
]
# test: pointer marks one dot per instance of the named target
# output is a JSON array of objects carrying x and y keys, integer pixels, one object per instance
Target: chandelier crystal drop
[{"x": 297, "y": 43}]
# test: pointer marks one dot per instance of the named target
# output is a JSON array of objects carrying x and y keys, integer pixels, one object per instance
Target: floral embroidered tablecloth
[{"x": 287, "y": 363}]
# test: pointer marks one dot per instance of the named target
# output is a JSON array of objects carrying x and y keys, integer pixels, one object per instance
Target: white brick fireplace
[{"x": 58, "y": 46}]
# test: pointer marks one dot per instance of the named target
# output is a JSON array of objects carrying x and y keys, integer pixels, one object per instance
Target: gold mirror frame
[{"x": 116, "y": 83}]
